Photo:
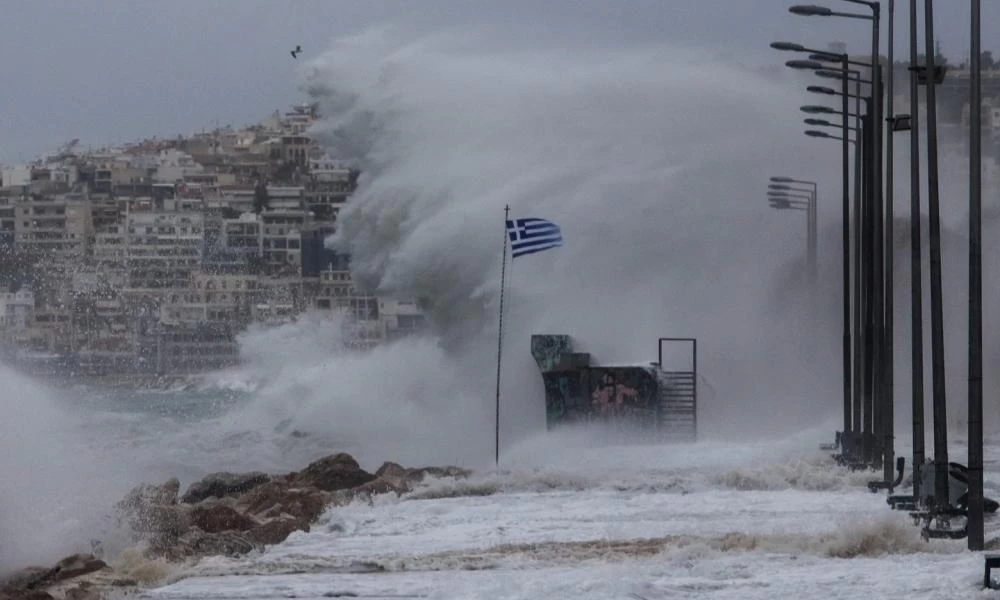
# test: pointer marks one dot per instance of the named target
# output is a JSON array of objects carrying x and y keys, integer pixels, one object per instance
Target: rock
[
  {"x": 277, "y": 498},
  {"x": 391, "y": 469},
  {"x": 153, "y": 509},
  {"x": 276, "y": 530},
  {"x": 380, "y": 486},
  {"x": 218, "y": 518},
  {"x": 30, "y": 582},
  {"x": 74, "y": 566},
  {"x": 82, "y": 593},
  {"x": 26, "y": 595},
  {"x": 24, "y": 578},
  {"x": 333, "y": 473},
  {"x": 163, "y": 520},
  {"x": 221, "y": 485},
  {"x": 227, "y": 543},
  {"x": 403, "y": 477},
  {"x": 195, "y": 543},
  {"x": 150, "y": 495}
]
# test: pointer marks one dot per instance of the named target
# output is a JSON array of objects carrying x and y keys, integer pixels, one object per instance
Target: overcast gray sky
[{"x": 111, "y": 71}]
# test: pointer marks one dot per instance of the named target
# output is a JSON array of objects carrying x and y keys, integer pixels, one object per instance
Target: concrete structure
[
  {"x": 173, "y": 165},
  {"x": 58, "y": 226},
  {"x": 281, "y": 242},
  {"x": 331, "y": 184},
  {"x": 637, "y": 402},
  {"x": 244, "y": 236},
  {"x": 17, "y": 310},
  {"x": 213, "y": 298},
  {"x": 163, "y": 249},
  {"x": 15, "y": 175}
]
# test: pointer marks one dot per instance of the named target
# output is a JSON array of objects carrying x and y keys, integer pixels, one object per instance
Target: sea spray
[{"x": 653, "y": 159}]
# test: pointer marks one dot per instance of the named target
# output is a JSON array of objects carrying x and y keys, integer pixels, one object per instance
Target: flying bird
[{"x": 295, "y": 53}]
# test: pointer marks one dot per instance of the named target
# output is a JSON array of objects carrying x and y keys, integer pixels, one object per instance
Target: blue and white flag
[{"x": 528, "y": 236}]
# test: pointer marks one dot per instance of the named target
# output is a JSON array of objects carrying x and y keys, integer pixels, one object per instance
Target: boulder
[
  {"x": 74, "y": 566},
  {"x": 276, "y": 530},
  {"x": 372, "y": 488},
  {"x": 26, "y": 595},
  {"x": 24, "y": 578},
  {"x": 83, "y": 592},
  {"x": 220, "y": 485},
  {"x": 33, "y": 580},
  {"x": 162, "y": 520},
  {"x": 148, "y": 494},
  {"x": 333, "y": 473},
  {"x": 217, "y": 518},
  {"x": 196, "y": 543},
  {"x": 396, "y": 476},
  {"x": 391, "y": 469},
  {"x": 153, "y": 509},
  {"x": 277, "y": 498}
]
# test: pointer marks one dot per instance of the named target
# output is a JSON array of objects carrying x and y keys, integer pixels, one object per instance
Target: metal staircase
[
  {"x": 678, "y": 402},
  {"x": 678, "y": 409}
]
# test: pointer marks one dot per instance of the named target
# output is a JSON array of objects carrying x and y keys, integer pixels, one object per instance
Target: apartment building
[
  {"x": 163, "y": 249},
  {"x": 53, "y": 225}
]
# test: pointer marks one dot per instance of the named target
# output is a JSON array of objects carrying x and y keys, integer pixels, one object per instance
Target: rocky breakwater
[{"x": 222, "y": 514}]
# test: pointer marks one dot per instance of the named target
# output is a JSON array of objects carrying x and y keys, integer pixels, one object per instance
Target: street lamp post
[
  {"x": 860, "y": 391},
  {"x": 846, "y": 217},
  {"x": 975, "y": 498},
  {"x": 941, "y": 498},
  {"x": 806, "y": 202},
  {"x": 888, "y": 363},
  {"x": 876, "y": 159},
  {"x": 916, "y": 277},
  {"x": 781, "y": 191}
]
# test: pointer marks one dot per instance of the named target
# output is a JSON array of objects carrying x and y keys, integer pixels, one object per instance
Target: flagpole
[{"x": 503, "y": 276}]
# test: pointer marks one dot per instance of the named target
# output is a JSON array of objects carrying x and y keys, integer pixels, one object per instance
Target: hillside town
[{"x": 150, "y": 258}]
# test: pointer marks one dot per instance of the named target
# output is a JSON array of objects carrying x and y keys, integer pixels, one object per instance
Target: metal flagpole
[{"x": 503, "y": 277}]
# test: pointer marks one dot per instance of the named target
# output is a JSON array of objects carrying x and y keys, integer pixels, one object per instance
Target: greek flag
[{"x": 528, "y": 236}]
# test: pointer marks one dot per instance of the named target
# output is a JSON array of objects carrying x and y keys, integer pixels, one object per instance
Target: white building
[
  {"x": 17, "y": 310},
  {"x": 370, "y": 320},
  {"x": 212, "y": 298},
  {"x": 54, "y": 225},
  {"x": 163, "y": 248},
  {"x": 15, "y": 175},
  {"x": 173, "y": 165}
]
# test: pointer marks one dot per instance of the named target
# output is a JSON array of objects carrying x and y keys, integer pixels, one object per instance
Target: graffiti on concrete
[
  {"x": 592, "y": 394},
  {"x": 577, "y": 392},
  {"x": 549, "y": 350},
  {"x": 609, "y": 395}
]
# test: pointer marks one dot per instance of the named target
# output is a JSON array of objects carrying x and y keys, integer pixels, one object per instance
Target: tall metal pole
[
  {"x": 846, "y": 241},
  {"x": 941, "y": 498},
  {"x": 877, "y": 239},
  {"x": 916, "y": 275},
  {"x": 888, "y": 420},
  {"x": 975, "y": 497},
  {"x": 858, "y": 337},
  {"x": 811, "y": 215},
  {"x": 868, "y": 166},
  {"x": 503, "y": 273}
]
